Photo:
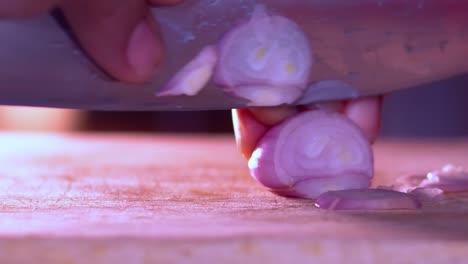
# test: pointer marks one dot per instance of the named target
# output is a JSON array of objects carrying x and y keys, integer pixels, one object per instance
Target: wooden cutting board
[{"x": 110, "y": 198}]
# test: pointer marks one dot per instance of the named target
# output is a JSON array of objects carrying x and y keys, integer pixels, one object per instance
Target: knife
[{"x": 360, "y": 47}]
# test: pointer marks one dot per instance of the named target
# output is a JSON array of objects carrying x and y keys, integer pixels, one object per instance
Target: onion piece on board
[
  {"x": 311, "y": 153},
  {"x": 193, "y": 76},
  {"x": 448, "y": 187},
  {"x": 427, "y": 194},
  {"x": 264, "y": 51},
  {"x": 367, "y": 199},
  {"x": 412, "y": 180},
  {"x": 449, "y": 178}
]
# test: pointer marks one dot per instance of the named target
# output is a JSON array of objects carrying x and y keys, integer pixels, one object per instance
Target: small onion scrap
[
  {"x": 311, "y": 153},
  {"x": 426, "y": 194},
  {"x": 449, "y": 178},
  {"x": 367, "y": 199},
  {"x": 266, "y": 60},
  {"x": 193, "y": 76}
]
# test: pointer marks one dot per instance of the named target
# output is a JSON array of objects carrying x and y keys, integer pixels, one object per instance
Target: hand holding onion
[{"x": 303, "y": 152}]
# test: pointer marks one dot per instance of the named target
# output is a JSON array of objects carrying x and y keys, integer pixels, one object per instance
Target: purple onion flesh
[
  {"x": 265, "y": 52},
  {"x": 311, "y": 153}
]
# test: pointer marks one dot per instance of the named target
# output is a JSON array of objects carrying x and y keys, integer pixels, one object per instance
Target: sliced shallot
[
  {"x": 265, "y": 52},
  {"x": 311, "y": 153},
  {"x": 366, "y": 199},
  {"x": 193, "y": 76}
]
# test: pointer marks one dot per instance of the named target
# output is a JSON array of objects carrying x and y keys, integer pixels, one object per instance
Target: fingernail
[
  {"x": 143, "y": 50},
  {"x": 329, "y": 106}
]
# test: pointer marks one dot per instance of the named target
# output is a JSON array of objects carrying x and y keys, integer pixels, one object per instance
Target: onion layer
[
  {"x": 267, "y": 51},
  {"x": 428, "y": 194},
  {"x": 193, "y": 76},
  {"x": 366, "y": 199},
  {"x": 311, "y": 153}
]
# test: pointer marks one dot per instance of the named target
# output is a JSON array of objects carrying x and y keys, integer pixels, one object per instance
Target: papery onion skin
[
  {"x": 428, "y": 194},
  {"x": 311, "y": 153},
  {"x": 449, "y": 178},
  {"x": 367, "y": 199},
  {"x": 264, "y": 51},
  {"x": 193, "y": 77},
  {"x": 410, "y": 180},
  {"x": 448, "y": 187}
]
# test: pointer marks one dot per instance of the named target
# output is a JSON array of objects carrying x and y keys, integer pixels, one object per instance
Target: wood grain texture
[{"x": 115, "y": 198}]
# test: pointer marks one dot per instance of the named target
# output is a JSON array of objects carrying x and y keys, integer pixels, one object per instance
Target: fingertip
[
  {"x": 365, "y": 112},
  {"x": 164, "y": 2},
  {"x": 25, "y": 8},
  {"x": 335, "y": 106},
  {"x": 247, "y": 130},
  {"x": 121, "y": 37},
  {"x": 273, "y": 115}
]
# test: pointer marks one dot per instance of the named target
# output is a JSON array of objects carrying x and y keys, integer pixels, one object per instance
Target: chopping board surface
[{"x": 114, "y": 198}]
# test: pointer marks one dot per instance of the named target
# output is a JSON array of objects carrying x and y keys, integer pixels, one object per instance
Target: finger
[
  {"x": 247, "y": 131},
  {"x": 365, "y": 112},
  {"x": 120, "y": 36},
  {"x": 164, "y": 2},
  {"x": 25, "y": 8},
  {"x": 273, "y": 115},
  {"x": 251, "y": 124},
  {"x": 336, "y": 106}
]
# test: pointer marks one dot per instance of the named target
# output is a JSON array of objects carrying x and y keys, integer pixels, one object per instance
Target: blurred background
[{"x": 435, "y": 110}]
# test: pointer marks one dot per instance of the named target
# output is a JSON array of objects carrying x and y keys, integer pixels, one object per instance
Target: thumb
[
  {"x": 120, "y": 36},
  {"x": 25, "y": 8}
]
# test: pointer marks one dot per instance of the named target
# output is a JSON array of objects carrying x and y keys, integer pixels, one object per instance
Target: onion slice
[
  {"x": 262, "y": 95},
  {"x": 311, "y": 153},
  {"x": 193, "y": 76},
  {"x": 366, "y": 199},
  {"x": 266, "y": 51}
]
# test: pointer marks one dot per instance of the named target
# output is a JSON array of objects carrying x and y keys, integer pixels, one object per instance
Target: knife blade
[{"x": 361, "y": 48}]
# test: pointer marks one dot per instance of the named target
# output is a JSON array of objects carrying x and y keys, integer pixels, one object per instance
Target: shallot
[
  {"x": 367, "y": 199},
  {"x": 193, "y": 76},
  {"x": 311, "y": 153},
  {"x": 266, "y": 60}
]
